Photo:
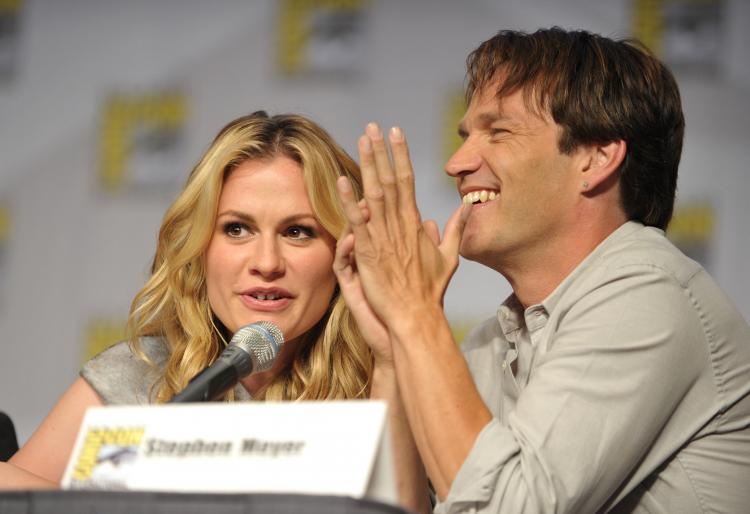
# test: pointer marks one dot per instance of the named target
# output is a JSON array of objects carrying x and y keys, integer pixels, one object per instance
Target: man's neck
[{"x": 535, "y": 275}]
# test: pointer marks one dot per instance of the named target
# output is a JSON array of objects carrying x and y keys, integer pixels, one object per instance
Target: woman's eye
[
  {"x": 234, "y": 229},
  {"x": 300, "y": 232}
]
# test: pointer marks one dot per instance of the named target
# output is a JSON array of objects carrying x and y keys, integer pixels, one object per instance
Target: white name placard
[{"x": 335, "y": 448}]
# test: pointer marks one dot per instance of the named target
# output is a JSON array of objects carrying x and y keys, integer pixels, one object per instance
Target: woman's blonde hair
[{"x": 333, "y": 362}]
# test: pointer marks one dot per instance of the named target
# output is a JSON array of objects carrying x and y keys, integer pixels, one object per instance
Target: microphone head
[{"x": 261, "y": 340}]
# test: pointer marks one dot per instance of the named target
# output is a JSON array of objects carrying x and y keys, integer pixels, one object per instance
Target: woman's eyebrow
[{"x": 250, "y": 219}]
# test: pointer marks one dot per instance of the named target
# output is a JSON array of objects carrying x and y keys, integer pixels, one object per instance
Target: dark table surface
[{"x": 111, "y": 502}]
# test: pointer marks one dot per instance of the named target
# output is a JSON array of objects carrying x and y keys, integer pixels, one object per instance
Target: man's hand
[
  {"x": 400, "y": 270},
  {"x": 372, "y": 329},
  {"x": 400, "y": 262}
]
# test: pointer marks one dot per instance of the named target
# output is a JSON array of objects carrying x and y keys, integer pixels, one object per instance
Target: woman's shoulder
[
  {"x": 120, "y": 377},
  {"x": 155, "y": 348}
]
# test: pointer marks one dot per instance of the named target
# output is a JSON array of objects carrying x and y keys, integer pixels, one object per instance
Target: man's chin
[
  {"x": 468, "y": 250},
  {"x": 472, "y": 250}
]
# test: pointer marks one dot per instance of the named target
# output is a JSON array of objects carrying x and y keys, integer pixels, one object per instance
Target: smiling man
[{"x": 615, "y": 377}]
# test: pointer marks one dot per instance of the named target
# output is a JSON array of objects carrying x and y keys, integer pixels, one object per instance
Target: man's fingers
[
  {"x": 373, "y": 191},
  {"x": 352, "y": 210},
  {"x": 404, "y": 175},
  {"x": 454, "y": 230},
  {"x": 343, "y": 257},
  {"x": 365, "y": 210},
  {"x": 385, "y": 172},
  {"x": 432, "y": 231}
]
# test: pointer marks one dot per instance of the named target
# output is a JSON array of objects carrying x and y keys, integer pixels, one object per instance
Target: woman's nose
[{"x": 267, "y": 259}]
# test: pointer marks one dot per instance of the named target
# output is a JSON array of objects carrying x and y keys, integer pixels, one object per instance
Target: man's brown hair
[{"x": 598, "y": 90}]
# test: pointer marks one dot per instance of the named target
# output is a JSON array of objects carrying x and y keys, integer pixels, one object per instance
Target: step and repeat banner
[{"x": 105, "y": 109}]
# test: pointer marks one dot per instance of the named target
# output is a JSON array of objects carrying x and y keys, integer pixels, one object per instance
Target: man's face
[{"x": 522, "y": 188}]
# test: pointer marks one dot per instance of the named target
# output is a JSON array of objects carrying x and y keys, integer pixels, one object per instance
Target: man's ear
[{"x": 601, "y": 164}]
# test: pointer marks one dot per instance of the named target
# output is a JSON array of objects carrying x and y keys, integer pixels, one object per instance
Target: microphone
[
  {"x": 8, "y": 441},
  {"x": 253, "y": 348}
]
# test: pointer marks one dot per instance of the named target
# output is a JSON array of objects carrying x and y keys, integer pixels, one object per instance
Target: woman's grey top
[{"x": 120, "y": 377}]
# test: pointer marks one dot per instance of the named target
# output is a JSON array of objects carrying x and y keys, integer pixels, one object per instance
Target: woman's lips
[
  {"x": 265, "y": 305},
  {"x": 266, "y": 299}
]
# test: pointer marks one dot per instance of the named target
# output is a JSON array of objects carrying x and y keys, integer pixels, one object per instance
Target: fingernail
[
  {"x": 344, "y": 185},
  {"x": 365, "y": 143},
  {"x": 397, "y": 134},
  {"x": 373, "y": 130}
]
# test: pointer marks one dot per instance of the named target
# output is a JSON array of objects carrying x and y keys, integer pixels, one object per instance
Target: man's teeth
[
  {"x": 479, "y": 196},
  {"x": 266, "y": 296}
]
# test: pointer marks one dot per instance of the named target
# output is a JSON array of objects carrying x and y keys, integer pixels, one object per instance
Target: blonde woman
[{"x": 251, "y": 237}]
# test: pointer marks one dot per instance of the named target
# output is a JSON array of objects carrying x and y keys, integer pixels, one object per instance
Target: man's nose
[{"x": 465, "y": 160}]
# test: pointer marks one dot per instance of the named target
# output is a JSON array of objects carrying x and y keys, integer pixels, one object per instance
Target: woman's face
[{"x": 269, "y": 258}]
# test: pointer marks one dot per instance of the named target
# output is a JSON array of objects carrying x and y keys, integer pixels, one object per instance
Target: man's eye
[
  {"x": 234, "y": 229},
  {"x": 300, "y": 232}
]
